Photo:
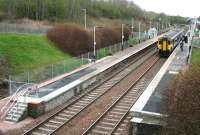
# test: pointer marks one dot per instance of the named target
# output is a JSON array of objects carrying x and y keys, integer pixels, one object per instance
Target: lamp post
[
  {"x": 139, "y": 31},
  {"x": 94, "y": 43},
  {"x": 122, "y": 37},
  {"x": 94, "y": 47},
  {"x": 85, "y": 17},
  {"x": 132, "y": 27}
]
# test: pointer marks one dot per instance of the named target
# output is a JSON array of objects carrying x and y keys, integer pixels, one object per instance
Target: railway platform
[
  {"x": 55, "y": 92},
  {"x": 147, "y": 111},
  {"x": 52, "y": 94}
]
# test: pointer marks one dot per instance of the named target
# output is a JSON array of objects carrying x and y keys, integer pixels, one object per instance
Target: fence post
[
  {"x": 82, "y": 59},
  {"x": 110, "y": 49},
  {"x": 28, "y": 77},
  {"x": 10, "y": 85},
  {"x": 119, "y": 47},
  {"x": 52, "y": 71},
  {"x": 88, "y": 57},
  {"x": 105, "y": 52},
  {"x": 97, "y": 55},
  {"x": 64, "y": 65}
]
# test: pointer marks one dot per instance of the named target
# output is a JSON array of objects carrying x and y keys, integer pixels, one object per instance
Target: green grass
[
  {"x": 196, "y": 56},
  {"x": 29, "y": 51},
  {"x": 103, "y": 52},
  {"x": 196, "y": 52},
  {"x": 134, "y": 40}
]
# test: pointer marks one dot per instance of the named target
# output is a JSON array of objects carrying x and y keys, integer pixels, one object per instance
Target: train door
[{"x": 164, "y": 45}]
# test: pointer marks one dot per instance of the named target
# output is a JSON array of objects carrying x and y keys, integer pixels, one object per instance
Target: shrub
[
  {"x": 75, "y": 40},
  {"x": 71, "y": 39},
  {"x": 182, "y": 103}
]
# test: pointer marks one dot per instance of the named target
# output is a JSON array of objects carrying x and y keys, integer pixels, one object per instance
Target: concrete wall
[{"x": 63, "y": 98}]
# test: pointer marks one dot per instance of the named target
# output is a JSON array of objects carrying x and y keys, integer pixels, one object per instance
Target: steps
[{"x": 16, "y": 113}]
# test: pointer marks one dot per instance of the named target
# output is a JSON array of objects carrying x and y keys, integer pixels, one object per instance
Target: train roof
[{"x": 171, "y": 34}]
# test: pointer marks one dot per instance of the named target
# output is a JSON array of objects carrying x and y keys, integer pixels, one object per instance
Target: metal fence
[
  {"x": 50, "y": 71},
  {"x": 24, "y": 28}
]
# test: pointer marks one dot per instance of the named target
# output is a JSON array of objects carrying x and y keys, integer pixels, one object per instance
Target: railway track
[
  {"x": 109, "y": 121},
  {"x": 63, "y": 116},
  {"x": 123, "y": 127}
]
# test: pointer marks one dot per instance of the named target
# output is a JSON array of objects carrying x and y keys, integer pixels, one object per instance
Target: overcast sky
[{"x": 187, "y": 8}]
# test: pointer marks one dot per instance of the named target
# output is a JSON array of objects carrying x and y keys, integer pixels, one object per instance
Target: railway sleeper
[
  {"x": 107, "y": 123},
  {"x": 118, "y": 113},
  {"x": 103, "y": 127}
]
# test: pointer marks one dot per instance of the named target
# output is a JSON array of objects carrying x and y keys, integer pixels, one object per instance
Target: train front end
[{"x": 164, "y": 46}]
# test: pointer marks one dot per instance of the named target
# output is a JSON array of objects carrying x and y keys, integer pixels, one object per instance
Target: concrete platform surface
[
  {"x": 64, "y": 83},
  {"x": 148, "y": 109},
  {"x": 73, "y": 78}
]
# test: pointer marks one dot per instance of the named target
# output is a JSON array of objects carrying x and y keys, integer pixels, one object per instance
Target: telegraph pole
[{"x": 85, "y": 17}]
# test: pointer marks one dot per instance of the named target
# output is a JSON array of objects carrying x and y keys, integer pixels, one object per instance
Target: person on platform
[{"x": 181, "y": 45}]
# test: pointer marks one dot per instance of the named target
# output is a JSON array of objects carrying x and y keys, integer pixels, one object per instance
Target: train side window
[{"x": 160, "y": 42}]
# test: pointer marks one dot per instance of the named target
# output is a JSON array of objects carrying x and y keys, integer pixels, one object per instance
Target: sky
[{"x": 186, "y": 8}]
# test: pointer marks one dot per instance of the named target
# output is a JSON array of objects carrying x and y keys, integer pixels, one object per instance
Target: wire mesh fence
[
  {"x": 23, "y": 28},
  {"x": 51, "y": 71}
]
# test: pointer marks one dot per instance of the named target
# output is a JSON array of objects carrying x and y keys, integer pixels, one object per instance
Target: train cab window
[
  {"x": 160, "y": 42},
  {"x": 168, "y": 42}
]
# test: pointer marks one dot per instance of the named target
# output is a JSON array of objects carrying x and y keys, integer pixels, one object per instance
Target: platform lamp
[
  {"x": 94, "y": 47},
  {"x": 139, "y": 31},
  {"x": 122, "y": 47},
  {"x": 132, "y": 26},
  {"x": 94, "y": 43}
]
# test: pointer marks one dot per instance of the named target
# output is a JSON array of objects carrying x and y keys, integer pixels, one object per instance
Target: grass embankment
[
  {"x": 196, "y": 53},
  {"x": 196, "y": 56},
  {"x": 29, "y": 51}
]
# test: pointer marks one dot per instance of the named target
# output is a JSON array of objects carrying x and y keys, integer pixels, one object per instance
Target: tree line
[{"x": 72, "y": 10}]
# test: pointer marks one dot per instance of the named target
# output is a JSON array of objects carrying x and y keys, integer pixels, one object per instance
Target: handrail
[
  {"x": 14, "y": 96},
  {"x": 24, "y": 93}
]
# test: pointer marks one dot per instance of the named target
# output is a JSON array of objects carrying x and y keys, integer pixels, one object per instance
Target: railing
[
  {"x": 24, "y": 28},
  {"x": 13, "y": 100},
  {"x": 48, "y": 72},
  {"x": 25, "y": 93}
]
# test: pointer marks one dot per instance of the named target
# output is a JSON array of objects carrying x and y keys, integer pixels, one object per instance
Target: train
[{"x": 168, "y": 42}]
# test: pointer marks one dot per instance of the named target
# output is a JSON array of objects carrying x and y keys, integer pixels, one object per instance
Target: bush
[
  {"x": 75, "y": 40},
  {"x": 133, "y": 40},
  {"x": 71, "y": 39},
  {"x": 182, "y": 103}
]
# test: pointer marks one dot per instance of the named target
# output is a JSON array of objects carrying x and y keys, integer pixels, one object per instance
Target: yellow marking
[
  {"x": 158, "y": 45},
  {"x": 164, "y": 45},
  {"x": 170, "y": 47}
]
